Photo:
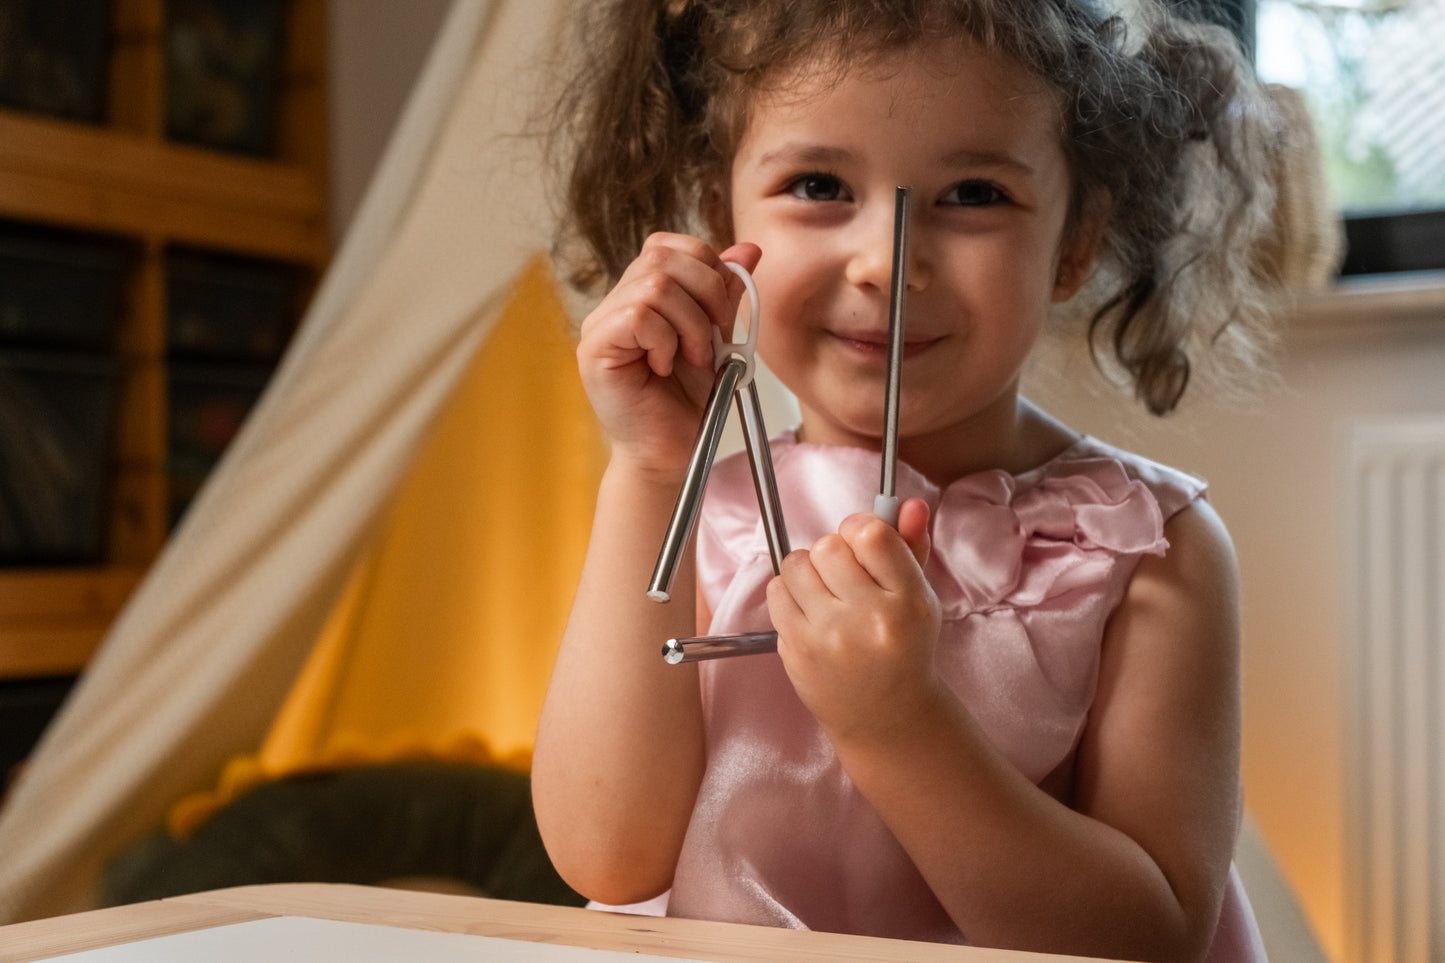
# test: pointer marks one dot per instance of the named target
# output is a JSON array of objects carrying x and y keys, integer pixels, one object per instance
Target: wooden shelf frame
[{"x": 125, "y": 179}]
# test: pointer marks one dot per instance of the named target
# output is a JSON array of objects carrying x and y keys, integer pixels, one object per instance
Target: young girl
[{"x": 1014, "y": 720}]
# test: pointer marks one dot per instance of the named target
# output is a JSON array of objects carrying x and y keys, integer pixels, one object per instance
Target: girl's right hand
[{"x": 646, "y": 352}]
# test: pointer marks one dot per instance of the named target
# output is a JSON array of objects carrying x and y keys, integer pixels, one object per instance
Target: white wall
[{"x": 1276, "y": 471}]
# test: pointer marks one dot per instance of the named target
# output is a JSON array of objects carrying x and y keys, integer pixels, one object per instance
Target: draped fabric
[
  {"x": 443, "y": 640},
  {"x": 201, "y": 660}
]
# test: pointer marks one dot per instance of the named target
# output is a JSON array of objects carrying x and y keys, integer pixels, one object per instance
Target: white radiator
[{"x": 1396, "y": 594}]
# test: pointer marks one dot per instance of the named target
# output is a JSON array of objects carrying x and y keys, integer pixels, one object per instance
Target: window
[{"x": 1374, "y": 74}]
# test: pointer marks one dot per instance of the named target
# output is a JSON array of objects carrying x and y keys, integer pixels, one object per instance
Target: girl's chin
[{"x": 860, "y": 434}]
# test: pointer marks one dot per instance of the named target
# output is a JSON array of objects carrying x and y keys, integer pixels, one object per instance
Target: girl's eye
[
  {"x": 817, "y": 187},
  {"x": 974, "y": 194}
]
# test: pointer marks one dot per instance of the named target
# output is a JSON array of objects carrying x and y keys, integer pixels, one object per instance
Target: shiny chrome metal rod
[
  {"x": 886, "y": 504},
  {"x": 689, "y": 498},
  {"x": 702, "y": 648},
  {"x": 760, "y": 457}
]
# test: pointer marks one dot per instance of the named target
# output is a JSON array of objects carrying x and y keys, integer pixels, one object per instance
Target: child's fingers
[
  {"x": 649, "y": 318},
  {"x": 677, "y": 264},
  {"x": 666, "y": 285},
  {"x": 913, "y": 526},
  {"x": 800, "y": 576},
  {"x": 838, "y": 568},
  {"x": 657, "y": 339},
  {"x": 882, "y": 551},
  {"x": 783, "y": 606}
]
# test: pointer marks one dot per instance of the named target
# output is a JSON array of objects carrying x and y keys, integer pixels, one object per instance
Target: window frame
[{"x": 1377, "y": 243}]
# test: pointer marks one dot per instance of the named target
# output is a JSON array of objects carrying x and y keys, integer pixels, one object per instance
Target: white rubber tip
[
  {"x": 886, "y": 508},
  {"x": 658, "y": 595}
]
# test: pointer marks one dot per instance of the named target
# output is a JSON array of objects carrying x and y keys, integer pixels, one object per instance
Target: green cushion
[{"x": 472, "y": 825}]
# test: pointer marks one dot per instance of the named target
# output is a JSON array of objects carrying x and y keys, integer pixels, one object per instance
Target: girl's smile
[
  {"x": 813, "y": 181},
  {"x": 873, "y": 344}
]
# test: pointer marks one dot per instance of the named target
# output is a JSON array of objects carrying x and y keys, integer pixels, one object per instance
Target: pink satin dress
[{"x": 1028, "y": 569}]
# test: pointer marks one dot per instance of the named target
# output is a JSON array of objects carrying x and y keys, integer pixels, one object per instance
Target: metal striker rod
[
  {"x": 719, "y": 647},
  {"x": 689, "y": 498},
  {"x": 888, "y": 486}
]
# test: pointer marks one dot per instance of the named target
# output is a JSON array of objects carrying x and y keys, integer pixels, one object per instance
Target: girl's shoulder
[{"x": 1171, "y": 488}]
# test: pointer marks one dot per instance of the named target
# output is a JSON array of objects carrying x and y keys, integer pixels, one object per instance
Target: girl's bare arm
[{"x": 619, "y": 751}]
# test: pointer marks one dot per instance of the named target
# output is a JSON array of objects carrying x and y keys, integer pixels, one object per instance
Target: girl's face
[{"x": 977, "y": 139}]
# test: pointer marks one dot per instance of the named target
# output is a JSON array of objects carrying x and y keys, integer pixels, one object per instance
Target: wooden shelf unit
[{"x": 124, "y": 178}]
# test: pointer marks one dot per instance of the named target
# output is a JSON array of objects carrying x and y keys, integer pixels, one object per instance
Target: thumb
[
  {"x": 913, "y": 526},
  {"x": 745, "y": 254}
]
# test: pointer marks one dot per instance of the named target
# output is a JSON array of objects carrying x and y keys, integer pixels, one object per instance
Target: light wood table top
[{"x": 689, "y": 939}]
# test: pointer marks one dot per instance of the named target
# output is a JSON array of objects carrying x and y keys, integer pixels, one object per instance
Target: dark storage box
[
  {"x": 60, "y": 289},
  {"x": 27, "y": 707},
  {"x": 57, "y": 417},
  {"x": 223, "y": 73},
  {"x": 226, "y": 307},
  {"x": 53, "y": 57},
  {"x": 208, "y": 404}
]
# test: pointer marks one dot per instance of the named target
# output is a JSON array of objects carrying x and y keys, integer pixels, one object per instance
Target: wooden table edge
[{"x": 591, "y": 929}]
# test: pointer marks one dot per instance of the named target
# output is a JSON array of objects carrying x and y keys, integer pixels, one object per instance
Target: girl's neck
[{"x": 1015, "y": 438}]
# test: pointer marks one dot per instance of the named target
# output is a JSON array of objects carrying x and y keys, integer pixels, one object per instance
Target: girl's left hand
[{"x": 857, "y": 621}]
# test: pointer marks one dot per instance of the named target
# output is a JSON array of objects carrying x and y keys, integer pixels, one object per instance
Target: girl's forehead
[{"x": 928, "y": 76}]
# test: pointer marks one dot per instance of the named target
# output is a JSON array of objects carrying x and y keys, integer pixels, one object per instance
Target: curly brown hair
[{"x": 1167, "y": 133}]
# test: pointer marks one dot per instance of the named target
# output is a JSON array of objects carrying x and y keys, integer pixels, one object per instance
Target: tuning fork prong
[{"x": 765, "y": 484}]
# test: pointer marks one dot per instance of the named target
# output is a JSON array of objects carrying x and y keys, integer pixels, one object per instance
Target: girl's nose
[{"x": 870, "y": 262}]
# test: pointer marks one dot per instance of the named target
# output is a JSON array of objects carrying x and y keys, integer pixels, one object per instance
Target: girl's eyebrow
[
  {"x": 824, "y": 155},
  {"x": 820, "y": 154},
  {"x": 987, "y": 158}
]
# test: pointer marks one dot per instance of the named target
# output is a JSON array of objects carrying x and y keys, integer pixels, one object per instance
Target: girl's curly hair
[{"x": 1167, "y": 133}]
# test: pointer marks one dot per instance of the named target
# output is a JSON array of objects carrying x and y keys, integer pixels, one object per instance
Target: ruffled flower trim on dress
[
  {"x": 999, "y": 540},
  {"x": 1023, "y": 542}
]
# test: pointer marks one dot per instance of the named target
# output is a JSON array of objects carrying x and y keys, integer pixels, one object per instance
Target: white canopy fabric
[{"x": 194, "y": 670}]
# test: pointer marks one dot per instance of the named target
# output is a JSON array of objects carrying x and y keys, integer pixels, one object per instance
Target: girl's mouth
[{"x": 876, "y": 345}]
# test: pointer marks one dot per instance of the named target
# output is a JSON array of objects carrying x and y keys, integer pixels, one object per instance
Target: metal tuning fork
[{"x": 735, "y": 365}]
